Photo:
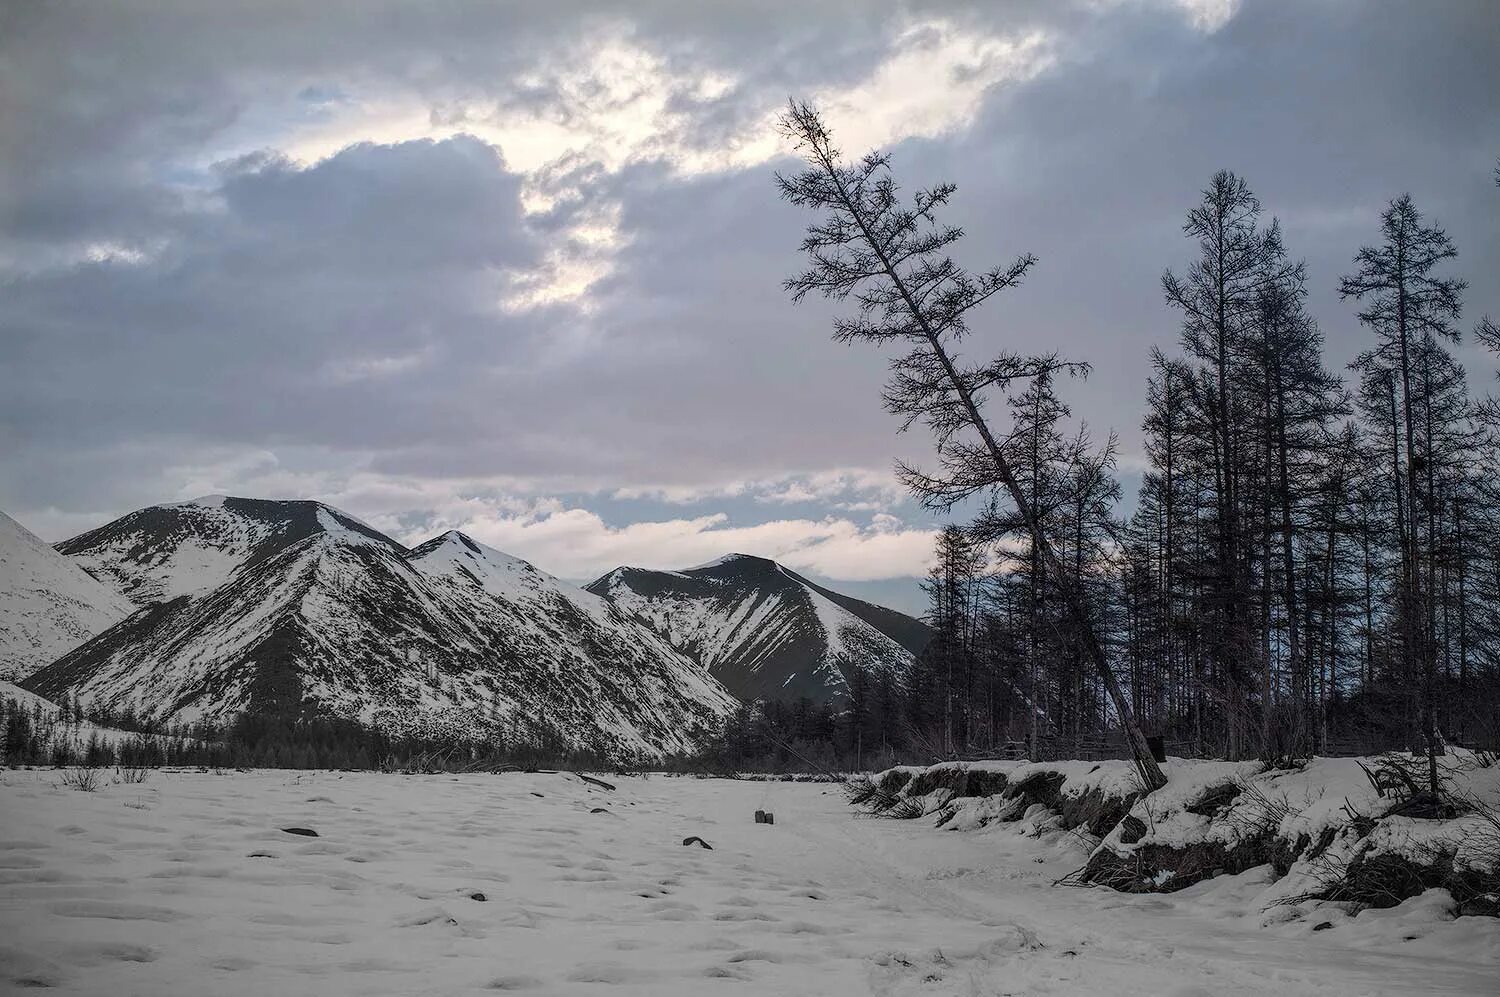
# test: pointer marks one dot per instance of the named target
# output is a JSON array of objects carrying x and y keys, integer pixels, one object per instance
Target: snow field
[{"x": 187, "y": 885}]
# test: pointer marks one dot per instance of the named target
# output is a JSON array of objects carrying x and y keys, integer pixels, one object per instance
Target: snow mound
[{"x": 1324, "y": 834}]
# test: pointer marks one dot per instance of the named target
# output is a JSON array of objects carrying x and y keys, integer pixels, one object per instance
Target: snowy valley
[{"x": 547, "y": 884}]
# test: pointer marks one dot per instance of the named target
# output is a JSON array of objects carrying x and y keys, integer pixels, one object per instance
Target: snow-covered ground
[{"x": 187, "y": 885}]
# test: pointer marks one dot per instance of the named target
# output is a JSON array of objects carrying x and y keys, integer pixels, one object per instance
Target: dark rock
[
  {"x": 476, "y": 895},
  {"x": 1322, "y": 925},
  {"x": 1132, "y": 829},
  {"x": 598, "y": 810},
  {"x": 595, "y": 782},
  {"x": 695, "y": 840},
  {"x": 1215, "y": 798},
  {"x": 306, "y": 832}
]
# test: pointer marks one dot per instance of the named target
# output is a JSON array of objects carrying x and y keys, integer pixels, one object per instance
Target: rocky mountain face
[
  {"x": 48, "y": 604},
  {"x": 284, "y": 607},
  {"x": 763, "y": 630}
]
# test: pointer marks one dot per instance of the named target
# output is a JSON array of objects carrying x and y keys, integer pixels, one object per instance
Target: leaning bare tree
[{"x": 891, "y": 258}]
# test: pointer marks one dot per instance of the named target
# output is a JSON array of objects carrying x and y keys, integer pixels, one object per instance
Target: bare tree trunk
[{"x": 1069, "y": 588}]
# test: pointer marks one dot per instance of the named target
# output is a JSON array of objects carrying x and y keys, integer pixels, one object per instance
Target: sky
[{"x": 516, "y": 269}]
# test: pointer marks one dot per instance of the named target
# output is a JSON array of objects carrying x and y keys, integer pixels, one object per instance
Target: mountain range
[{"x": 206, "y": 609}]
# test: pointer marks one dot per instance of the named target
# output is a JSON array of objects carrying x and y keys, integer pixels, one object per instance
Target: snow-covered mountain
[
  {"x": 762, "y": 629},
  {"x": 164, "y": 551},
  {"x": 47, "y": 603},
  {"x": 287, "y": 606}
]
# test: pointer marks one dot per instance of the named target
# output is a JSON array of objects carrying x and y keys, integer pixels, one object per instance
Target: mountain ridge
[{"x": 271, "y": 606}]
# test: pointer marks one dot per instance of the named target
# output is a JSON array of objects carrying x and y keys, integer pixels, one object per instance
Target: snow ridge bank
[{"x": 1329, "y": 841}]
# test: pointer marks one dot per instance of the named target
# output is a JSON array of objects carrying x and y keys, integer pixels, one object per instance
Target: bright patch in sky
[{"x": 613, "y": 101}]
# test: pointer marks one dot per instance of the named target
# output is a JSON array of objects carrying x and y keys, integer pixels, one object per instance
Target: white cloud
[
  {"x": 933, "y": 81},
  {"x": 1208, "y": 16},
  {"x": 576, "y": 543},
  {"x": 560, "y": 535},
  {"x": 871, "y": 490},
  {"x": 347, "y": 370}
]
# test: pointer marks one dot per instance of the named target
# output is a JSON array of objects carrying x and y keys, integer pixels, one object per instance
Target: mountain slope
[
  {"x": 47, "y": 604},
  {"x": 317, "y": 612},
  {"x": 762, "y": 629}
]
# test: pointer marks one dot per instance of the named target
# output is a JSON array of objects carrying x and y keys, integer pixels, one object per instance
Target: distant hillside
[{"x": 763, "y": 630}]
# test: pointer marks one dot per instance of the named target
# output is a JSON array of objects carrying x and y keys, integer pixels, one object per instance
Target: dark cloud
[{"x": 300, "y": 306}]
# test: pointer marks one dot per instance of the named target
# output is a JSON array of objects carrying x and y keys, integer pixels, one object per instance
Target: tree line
[
  {"x": 70, "y": 736},
  {"x": 1310, "y": 563}
]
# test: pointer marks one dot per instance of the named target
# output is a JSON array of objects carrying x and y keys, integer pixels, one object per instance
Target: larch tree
[
  {"x": 1406, "y": 304},
  {"x": 1218, "y": 296}
]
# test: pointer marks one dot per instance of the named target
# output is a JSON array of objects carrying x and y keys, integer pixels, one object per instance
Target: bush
[
  {"x": 134, "y": 775},
  {"x": 85, "y": 780}
]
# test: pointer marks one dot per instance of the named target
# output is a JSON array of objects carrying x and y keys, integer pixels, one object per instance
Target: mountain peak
[
  {"x": 762, "y": 629},
  {"x": 735, "y": 565},
  {"x": 459, "y": 544},
  {"x": 163, "y": 551},
  {"x": 206, "y": 501},
  {"x": 734, "y": 558}
]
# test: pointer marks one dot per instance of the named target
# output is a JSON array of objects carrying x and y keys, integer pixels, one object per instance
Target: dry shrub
[
  {"x": 880, "y": 801},
  {"x": 85, "y": 780},
  {"x": 898, "y": 794}
]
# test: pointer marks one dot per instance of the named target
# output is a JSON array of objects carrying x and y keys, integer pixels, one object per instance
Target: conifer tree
[{"x": 1409, "y": 307}]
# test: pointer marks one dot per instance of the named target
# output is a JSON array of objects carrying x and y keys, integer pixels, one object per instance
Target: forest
[{"x": 1309, "y": 566}]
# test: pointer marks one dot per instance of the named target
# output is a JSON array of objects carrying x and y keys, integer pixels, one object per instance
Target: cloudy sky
[{"x": 514, "y": 268}]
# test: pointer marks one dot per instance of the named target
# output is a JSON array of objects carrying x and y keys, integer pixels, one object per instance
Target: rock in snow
[
  {"x": 762, "y": 629},
  {"x": 48, "y": 604},
  {"x": 252, "y": 604}
]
